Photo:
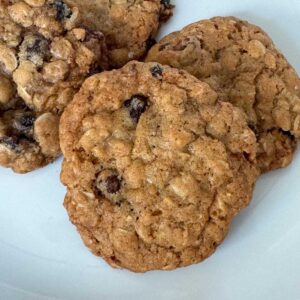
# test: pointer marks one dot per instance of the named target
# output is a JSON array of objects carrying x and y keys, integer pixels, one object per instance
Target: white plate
[{"x": 42, "y": 257}]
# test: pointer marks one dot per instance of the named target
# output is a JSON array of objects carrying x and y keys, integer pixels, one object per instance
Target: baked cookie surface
[
  {"x": 44, "y": 58},
  {"x": 155, "y": 166},
  {"x": 27, "y": 140},
  {"x": 241, "y": 63},
  {"x": 129, "y": 26}
]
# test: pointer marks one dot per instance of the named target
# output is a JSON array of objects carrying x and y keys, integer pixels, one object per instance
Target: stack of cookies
[{"x": 160, "y": 155}]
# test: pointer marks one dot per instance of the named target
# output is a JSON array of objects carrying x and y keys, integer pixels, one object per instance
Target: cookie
[
  {"x": 156, "y": 167},
  {"x": 27, "y": 140},
  {"x": 44, "y": 58},
  {"x": 241, "y": 63},
  {"x": 129, "y": 26}
]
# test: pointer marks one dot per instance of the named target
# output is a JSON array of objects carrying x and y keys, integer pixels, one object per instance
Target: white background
[{"x": 42, "y": 257}]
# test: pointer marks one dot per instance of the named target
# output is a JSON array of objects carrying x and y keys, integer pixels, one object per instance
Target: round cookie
[
  {"x": 129, "y": 26},
  {"x": 241, "y": 63},
  {"x": 44, "y": 59},
  {"x": 155, "y": 166}
]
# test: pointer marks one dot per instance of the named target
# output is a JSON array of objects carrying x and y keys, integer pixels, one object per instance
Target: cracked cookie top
[
  {"x": 155, "y": 165},
  {"x": 241, "y": 63},
  {"x": 129, "y": 25}
]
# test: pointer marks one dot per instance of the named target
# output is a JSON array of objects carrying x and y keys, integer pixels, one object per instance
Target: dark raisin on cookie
[
  {"x": 24, "y": 122},
  {"x": 107, "y": 182},
  {"x": 166, "y": 3},
  {"x": 62, "y": 10},
  {"x": 136, "y": 105},
  {"x": 166, "y": 10},
  {"x": 40, "y": 47},
  {"x": 156, "y": 71},
  {"x": 113, "y": 184},
  {"x": 27, "y": 121},
  {"x": 10, "y": 142},
  {"x": 34, "y": 48}
]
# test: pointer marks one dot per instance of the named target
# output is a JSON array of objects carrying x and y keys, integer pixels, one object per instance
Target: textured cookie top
[
  {"x": 129, "y": 26},
  {"x": 50, "y": 18},
  {"x": 27, "y": 140},
  {"x": 242, "y": 64},
  {"x": 151, "y": 158},
  {"x": 44, "y": 59},
  {"x": 45, "y": 54}
]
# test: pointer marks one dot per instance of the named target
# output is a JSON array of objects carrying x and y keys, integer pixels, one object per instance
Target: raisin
[
  {"x": 10, "y": 142},
  {"x": 36, "y": 49},
  {"x": 27, "y": 121},
  {"x": 62, "y": 10},
  {"x": 23, "y": 123},
  {"x": 166, "y": 10},
  {"x": 156, "y": 71},
  {"x": 137, "y": 105},
  {"x": 166, "y": 3},
  {"x": 113, "y": 184},
  {"x": 107, "y": 182},
  {"x": 39, "y": 46},
  {"x": 115, "y": 260}
]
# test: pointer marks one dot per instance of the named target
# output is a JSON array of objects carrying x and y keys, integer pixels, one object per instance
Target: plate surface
[{"x": 42, "y": 257}]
